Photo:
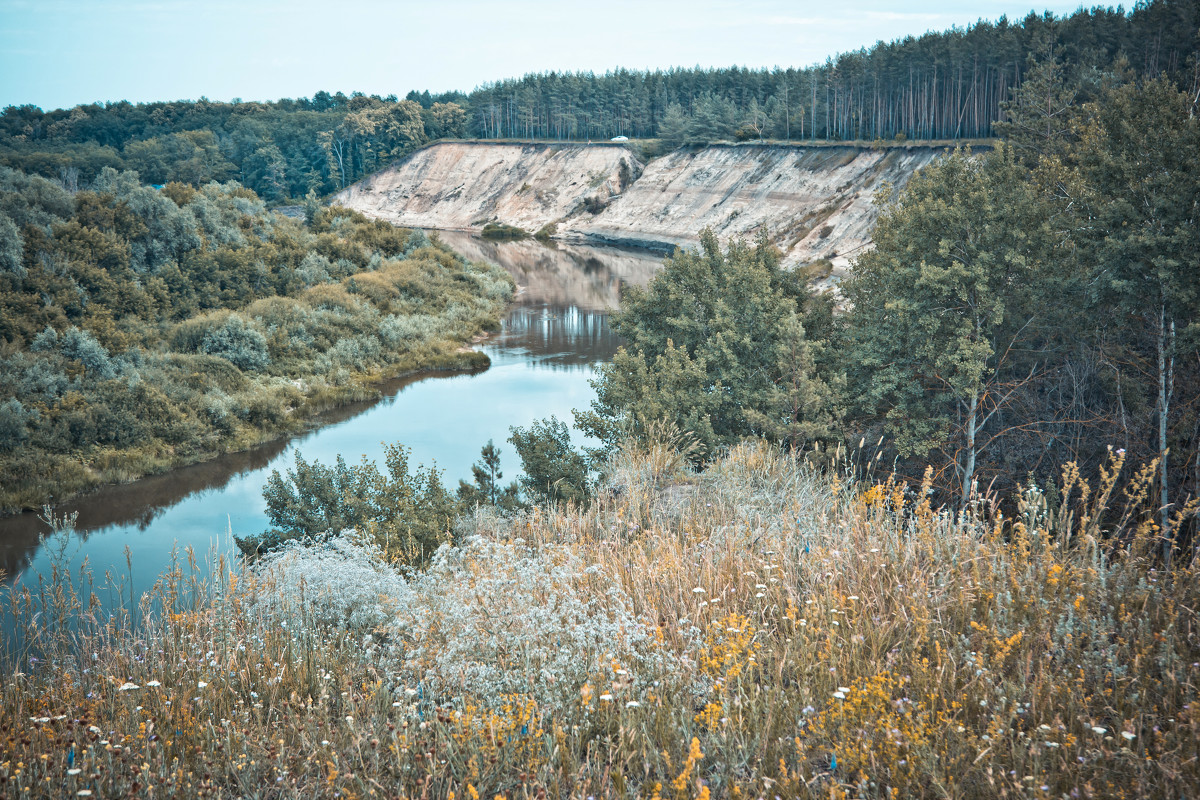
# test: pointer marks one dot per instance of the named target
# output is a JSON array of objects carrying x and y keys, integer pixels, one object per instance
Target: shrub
[
  {"x": 238, "y": 343},
  {"x": 14, "y": 421},
  {"x": 554, "y": 471}
]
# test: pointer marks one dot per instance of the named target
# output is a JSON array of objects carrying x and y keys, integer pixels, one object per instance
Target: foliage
[
  {"x": 715, "y": 346},
  {"x": 949, "y": 316},
  {"x": 554, "y": 471},
  {"x": 407, "y": 515},
  {"x": 767, "y": 632},
  {"x": 487, "y": 489},
  {"x": 496, "y": 230},
  {"x": 146, "y": 329}
]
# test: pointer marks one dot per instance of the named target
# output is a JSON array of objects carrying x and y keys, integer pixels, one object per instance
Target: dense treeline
[
  {"x": 1022, "y": 309},
  {"x": 141, "y": 329},
  {"x": 945, "y": 85},
  {"x": 280, "y": 150}
]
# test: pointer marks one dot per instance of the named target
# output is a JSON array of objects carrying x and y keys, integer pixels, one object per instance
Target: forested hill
[{"x": 945, "y": 85}]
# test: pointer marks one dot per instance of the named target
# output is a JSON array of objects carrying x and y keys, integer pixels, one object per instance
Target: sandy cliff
[
  {"x": 464, "y": 185},
  {"x": 814, "y": 202}
]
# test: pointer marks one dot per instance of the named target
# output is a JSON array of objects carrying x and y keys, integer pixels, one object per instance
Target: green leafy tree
[
  {"x": 555, "y": 472},
  {"x": 449, "y": 119},
  {"x": 407, "y": 513},
  {"x": 948, "y": 309},
  {"x": 714, "y": 342},
  {"x": 1140, "y": 162}
]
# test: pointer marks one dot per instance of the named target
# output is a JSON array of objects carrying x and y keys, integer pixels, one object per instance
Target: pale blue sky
[{"x": 58, "y": 53}]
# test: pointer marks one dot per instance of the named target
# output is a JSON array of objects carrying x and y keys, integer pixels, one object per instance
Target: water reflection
[
  {"x": 589, "y": 278},
  {"x": 541, "y": 364}
]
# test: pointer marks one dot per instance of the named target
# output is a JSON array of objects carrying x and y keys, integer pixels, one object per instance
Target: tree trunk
[
  {"x": 969, "y": 465},
  {"x": 1166, "y": 380}
]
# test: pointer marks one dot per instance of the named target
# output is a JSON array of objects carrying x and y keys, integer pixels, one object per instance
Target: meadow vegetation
[
  {"x": 143, "y": 329},
  {"x": 758, "y": 629}
]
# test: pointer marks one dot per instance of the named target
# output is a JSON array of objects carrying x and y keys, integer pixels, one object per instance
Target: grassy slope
[
  {"x": 751, "y": 631},
  {"x": 152, "y": 392}
]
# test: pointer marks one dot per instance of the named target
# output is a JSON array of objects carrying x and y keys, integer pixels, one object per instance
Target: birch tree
[{"x": 948, "y": 309}]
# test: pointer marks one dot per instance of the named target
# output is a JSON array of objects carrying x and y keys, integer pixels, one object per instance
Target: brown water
[{"x": 542, "y": 361}]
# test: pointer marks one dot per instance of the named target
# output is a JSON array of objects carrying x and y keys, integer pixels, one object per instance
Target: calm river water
[{"x": 542, "y": 361}]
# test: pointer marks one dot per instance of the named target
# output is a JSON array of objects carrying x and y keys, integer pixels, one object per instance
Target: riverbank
[{"x": 240, "y": 334}]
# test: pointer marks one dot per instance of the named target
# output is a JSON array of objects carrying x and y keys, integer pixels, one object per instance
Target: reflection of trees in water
[
  {"x": 562, "y": 275},
  {"x": 558, "y": 337},
  {"x": 140, "y": 503}
]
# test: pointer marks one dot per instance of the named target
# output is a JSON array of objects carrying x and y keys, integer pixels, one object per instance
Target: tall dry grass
[{"x": 755, "y": 630}]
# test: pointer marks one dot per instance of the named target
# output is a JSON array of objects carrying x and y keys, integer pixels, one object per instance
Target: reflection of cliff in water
[{"x": 589, "y": 278}]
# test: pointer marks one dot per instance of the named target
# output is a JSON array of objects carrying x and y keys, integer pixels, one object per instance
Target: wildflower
[
  {"x": 759, "y": 594},
  {"x": 154, "y": 684},
  {"x": 840, "y": 695},
  {"x": 853, "y": 597},
  {"x": 1129, "y": 735},
  {"x": 74, "y": 771},
  {"x": 1096, "y": 729},
  {"x": 607, "y": 698},
  {"x": 126, "y": 687},
  {"x": 324, "y": 743},
  {"x": 201, "y": 684},
  {"x": 845, "y": 689},
  {"x": 349, "y": 720},
  {"x": 84, "y": 793},
  {"x": 760, "y": 586},
  {"x": 698, "y": 590},
  {"x": 633, "y": 704}
]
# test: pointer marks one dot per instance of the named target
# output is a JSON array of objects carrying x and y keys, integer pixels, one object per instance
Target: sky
[{"x": 60, "y": 53}]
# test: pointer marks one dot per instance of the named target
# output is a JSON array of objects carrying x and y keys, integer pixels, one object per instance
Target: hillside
[
  {"x": 462, "y": 185},
  {"x": 814, "y": 202}
]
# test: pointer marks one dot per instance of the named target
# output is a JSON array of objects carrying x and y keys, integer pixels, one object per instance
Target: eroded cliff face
[
  {"x": 465, "y": 185},
  {"x": 814, "y": 202}
]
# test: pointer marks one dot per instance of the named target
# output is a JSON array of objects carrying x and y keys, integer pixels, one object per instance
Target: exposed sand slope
[
  {"x": 463, "y": 185},
  {"x": 814, "y": 202}
]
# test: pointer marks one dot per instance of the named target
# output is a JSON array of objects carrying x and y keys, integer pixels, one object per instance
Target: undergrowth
[{"x": 755, "y": 630}]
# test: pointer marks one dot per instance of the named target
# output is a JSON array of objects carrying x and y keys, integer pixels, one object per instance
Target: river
[{"x": 542, "y": 361}]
